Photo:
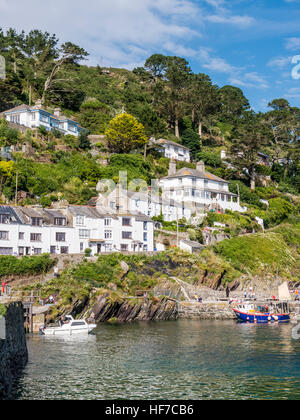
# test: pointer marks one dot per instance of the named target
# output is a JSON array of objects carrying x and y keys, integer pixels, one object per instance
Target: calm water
[{"x": 168, "y": 360}]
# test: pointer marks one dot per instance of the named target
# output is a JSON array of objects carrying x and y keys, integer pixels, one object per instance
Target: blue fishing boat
[{"x": 247, "y": 312}]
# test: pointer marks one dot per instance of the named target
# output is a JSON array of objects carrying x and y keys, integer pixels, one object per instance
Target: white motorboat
[{"x": 70, "y": 326}]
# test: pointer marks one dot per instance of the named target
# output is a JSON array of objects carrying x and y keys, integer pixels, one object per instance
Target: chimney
[
  {"x": 223, "y": 154},
  {"x": 172, "y": 168},
  {"x": 57, "y": 112},
  {"x": 200, "y": 167},
  {"x": 38, "y": 104}
]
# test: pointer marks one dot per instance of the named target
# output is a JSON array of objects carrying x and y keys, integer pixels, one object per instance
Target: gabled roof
[
  {"x": 173, "y": 143},
  {"x": 187, "y": 172},
  {"x": 17, "y": 108},
  {"x": 8, "y": 210}
]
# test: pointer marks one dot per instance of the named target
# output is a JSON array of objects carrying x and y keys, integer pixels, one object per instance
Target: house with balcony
[
  {"x": 199, "y": 190},
  {"x": 36, "y": 116},
  {"x": 148, "y": 203},
  {"x": 173, "y": 150}
]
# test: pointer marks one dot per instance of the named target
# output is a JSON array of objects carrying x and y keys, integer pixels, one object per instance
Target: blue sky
[{"x": 246, "y": 43}]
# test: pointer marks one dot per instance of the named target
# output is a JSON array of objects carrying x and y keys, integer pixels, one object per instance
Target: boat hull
[
  {"x": 260, "y": 318},
  {"x": 68, "y": 331}
]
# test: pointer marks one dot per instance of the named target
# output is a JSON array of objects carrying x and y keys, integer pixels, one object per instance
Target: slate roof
[
  {"x": 187, "y": 172},
  {"x": 173, "y": 143}
]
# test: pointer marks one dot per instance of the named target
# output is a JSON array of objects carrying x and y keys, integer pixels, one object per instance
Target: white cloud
[
  {"x": 123, "y": 32},
  {"x": 293, "y": 44},
  {"x": 224, "y": 16},
  {"x": 280, "y": 62}
]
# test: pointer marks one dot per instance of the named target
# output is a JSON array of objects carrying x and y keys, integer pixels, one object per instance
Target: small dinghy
[{"x": 69, "y": 326}]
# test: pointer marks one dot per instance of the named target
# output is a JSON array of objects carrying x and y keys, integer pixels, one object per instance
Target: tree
[
  {"x": 203, "y": 98},
  {"x": 233, "y": 104},
  {"x": 191, "y": 140},
  {"x": 83, "y": 140},
  {"x": 6, "y": 172},
  {"x": 95, "y": 116},
  {"x": 156, "y": 65},
  {"x": 249, "y": 138},
  {"x": 69, "y": 54},
  {"x": 124, "y": 134}
]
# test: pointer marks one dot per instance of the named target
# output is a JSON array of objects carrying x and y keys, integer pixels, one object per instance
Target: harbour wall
[{"x": 13, "y": 348}]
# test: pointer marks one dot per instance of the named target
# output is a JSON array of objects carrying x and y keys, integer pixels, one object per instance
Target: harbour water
[{"x": 166, "y": 360}]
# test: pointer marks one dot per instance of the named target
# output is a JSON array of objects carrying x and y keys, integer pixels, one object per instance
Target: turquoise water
[{"x": 166, "y": 360}]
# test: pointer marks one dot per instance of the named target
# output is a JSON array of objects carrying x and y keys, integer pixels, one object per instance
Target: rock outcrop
[
  {"x": 143, "y": 309},
  {"x": 13, "y": 349}
]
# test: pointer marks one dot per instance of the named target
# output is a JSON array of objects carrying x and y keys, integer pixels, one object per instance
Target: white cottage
[
  {"x": 34, "y": 231},
  {"x": 199, "y": 190},
  {"x": 35, "y": 116},
  {"x": 173, "y": 150},
  {"x": 103, "y": 230}
]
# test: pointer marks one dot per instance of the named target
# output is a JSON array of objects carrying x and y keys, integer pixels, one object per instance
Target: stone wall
[
  {"x": 215, "y": 310},
  {"x": 13, "y": 349}
]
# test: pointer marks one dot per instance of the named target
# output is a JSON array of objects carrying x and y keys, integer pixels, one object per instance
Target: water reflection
[{"x": 172, "y": 360}]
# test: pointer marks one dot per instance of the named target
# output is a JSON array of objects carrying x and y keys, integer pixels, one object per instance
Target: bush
[
  {"x": 87, "y": 252},
  {"x": 10, "y": 265}
]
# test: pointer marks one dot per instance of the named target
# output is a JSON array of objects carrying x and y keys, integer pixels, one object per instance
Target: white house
[
  {"x": 149, "y": 204},
  {"x": 35, "y": 116},
  {"x": 199, "y": 190},
  {"x": 32, "y": 231},
  {"x": 103, "y": 230},
  {"x": 173, "y": 150}
]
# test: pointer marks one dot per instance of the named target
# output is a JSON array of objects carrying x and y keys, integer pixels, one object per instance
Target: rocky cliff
[{"x": 13, "y": 349}]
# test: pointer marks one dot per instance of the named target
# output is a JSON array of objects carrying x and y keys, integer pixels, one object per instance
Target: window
[
  {"x": 108, "y": 234},
  {"x": 60, "y": 221},
  {"x": 37, "y": 251},
  {"x": 33, "y": 116},
  {"x": 126, "y": 235},
  {"x": 72, "y": 127},
  {"x": 60, "y": 237},
  {"x": 79, "y": 220},
  {"x": 35, "y": 237},
  {"x": 107, "y": 222},
  {"x": 21, "y": 250},
  {"x": 81, "y": 246},
  {"x": 52, "y": 249},
  {"x": 84, "y": 233},
  {"x": 15, "y": 119},
  {"x": 145, "y": 237},
  {"x": 126, "y": 221},
  {"x": 64, "y": 250},
  {"x": 124, "y": 247},
  {"x": 6, "y": 251},
  {"x": 36, "y": 221},
  {"x": 3, "y": 236},
  {"x": 145, "y": 226},
  {"x": 21, "y": 236},
  {"x": 44, "y": 118},
  {"x": 4, "y": 218}
]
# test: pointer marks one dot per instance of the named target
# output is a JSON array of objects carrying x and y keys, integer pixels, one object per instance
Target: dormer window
[
  {"x": 36, "y": 221},
  {"x": 5, "y": 218},
  {"x": 60, "y": 221},
  {"x": 79, "y": 220}
]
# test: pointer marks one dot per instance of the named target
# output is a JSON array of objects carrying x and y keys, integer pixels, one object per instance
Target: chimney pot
[
  {"x": 57, "y": 112},
  {"x": 201, "y": 166},
  {"x": 172, "y": 167}
]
